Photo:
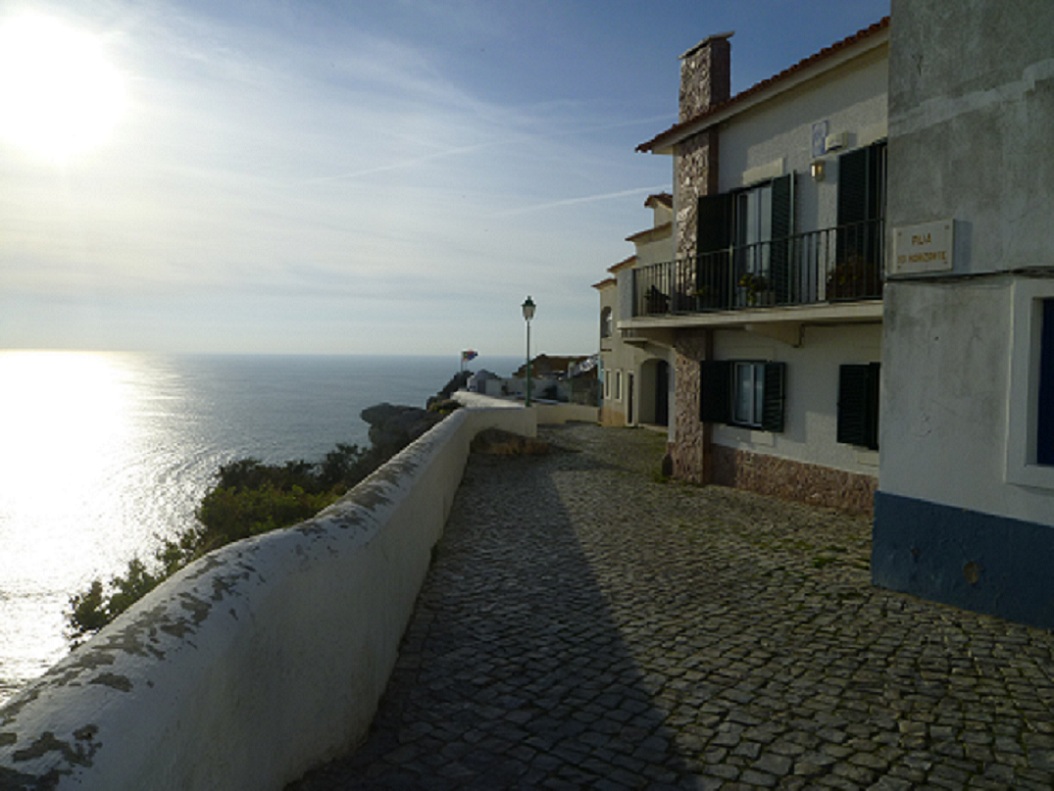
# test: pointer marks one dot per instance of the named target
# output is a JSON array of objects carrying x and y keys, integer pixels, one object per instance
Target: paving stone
[{"x": 586, "y": 625}]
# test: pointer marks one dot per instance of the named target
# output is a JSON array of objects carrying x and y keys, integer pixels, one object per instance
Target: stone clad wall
[
  {"x": 262, "y": 659},
  {"x": 794, "y": 480},
  {"x": 706, "y": 77},
  {"x": 696, "y": 174},
  {"x": 691, "y": 435},
  {"x": 705, "y": 82}
]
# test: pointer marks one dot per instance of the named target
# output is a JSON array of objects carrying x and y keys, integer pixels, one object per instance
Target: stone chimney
[{"x": 706, "y": 75}]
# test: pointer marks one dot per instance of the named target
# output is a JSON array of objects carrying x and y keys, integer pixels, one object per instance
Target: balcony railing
[{"x": 833, "y": 265}]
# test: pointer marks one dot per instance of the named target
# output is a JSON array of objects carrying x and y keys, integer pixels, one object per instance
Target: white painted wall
[
  {"x": 631, "y": 358},
  {"x": 260, "y": 660},
  {"x": 544, "y": 414},
  {"x": 852, "y": 99},
  {"x": 811, "y": 408},
  {"x": 947, "y": 390},
  {"x": 971, "y": 109}
]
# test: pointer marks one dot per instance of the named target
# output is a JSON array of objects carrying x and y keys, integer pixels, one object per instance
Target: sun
[{"x": 59, "y": 96}]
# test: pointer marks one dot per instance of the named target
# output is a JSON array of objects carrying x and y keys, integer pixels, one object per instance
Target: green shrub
[{"x": 249, "y": 498}]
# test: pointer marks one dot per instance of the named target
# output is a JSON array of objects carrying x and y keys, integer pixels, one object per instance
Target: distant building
[
  {"x": 635, "y": 370},
  {"x": 770, "y": 306},
  {"x": 965, "y": 508},
  {"x": 570, "y": 379}
]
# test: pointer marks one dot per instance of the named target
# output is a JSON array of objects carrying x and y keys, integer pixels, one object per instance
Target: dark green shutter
[
  {"x": 715, "y": 381},
  {"x": 861, "y": 199},
  {"x": 858, "y": 405},
  {"x": 714, "y": 223},
  {"x": 713, "y": 238},
  {"x": 852, "y": 186},
  {"x": 773, "y": 396},
  {"x": 782, "y": 228}
]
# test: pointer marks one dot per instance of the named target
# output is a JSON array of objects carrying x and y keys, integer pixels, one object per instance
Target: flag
[{"x": 469, "y": 354}]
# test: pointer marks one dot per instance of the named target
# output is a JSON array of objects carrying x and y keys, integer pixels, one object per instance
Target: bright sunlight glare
[{"x": 58, "y": 94}]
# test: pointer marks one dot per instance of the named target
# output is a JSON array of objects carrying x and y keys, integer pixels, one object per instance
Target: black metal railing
[{"x": 832, "y": 265}]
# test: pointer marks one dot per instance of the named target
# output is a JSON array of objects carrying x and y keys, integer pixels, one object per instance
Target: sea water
[{"x": 104, "y": 454}]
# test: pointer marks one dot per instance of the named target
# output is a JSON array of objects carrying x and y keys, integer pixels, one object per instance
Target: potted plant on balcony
[
  {"x": 754, "y": 290},
  {"x": 854, "y": 278}
]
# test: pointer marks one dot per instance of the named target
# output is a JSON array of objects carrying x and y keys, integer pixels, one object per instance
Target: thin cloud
[{"x": 578, "y": 201}]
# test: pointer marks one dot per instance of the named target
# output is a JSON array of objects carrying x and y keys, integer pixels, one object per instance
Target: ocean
[{"x": 104, "y": 454}]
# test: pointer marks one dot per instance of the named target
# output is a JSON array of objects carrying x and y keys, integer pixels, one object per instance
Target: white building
[
  {"x": 771, "y": 309},
  {"x": 965, "y": 508},
  {"x": 636, "y": 371}
]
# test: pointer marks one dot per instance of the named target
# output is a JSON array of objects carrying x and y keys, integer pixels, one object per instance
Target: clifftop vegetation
[{"x": 250, "y": 498}]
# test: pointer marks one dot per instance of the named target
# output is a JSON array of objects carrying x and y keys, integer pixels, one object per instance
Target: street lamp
[{"x": 528, "y": 314}]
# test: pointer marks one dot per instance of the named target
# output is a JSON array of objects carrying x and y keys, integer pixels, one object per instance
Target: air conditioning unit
[{"x": 835, "y": 141}]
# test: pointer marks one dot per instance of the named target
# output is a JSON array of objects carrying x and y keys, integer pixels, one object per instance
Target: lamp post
[{"x": 528, "y": 314}]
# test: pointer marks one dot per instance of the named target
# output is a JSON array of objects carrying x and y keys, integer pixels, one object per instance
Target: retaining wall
[
  {"x": 260, "y": 660},
  {"x": 547, "y": 413}
]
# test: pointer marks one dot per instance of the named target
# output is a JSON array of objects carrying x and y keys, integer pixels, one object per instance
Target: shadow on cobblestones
[
  {"x": 512, "y": 672},
  {"x": 587, "y": 626}
]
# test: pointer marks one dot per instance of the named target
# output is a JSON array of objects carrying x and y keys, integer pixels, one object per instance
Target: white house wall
[
  {"x": 852, "y": 100},
  {"x": 810, "y": 410},
  {"x": 962, "y": 515}
]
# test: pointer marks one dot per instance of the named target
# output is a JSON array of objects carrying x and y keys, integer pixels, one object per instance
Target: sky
[{"x": 353, "y": 177}]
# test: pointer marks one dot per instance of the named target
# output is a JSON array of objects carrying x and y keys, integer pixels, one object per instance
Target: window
[
  {"x": 753, "y": 223},
  {"x": 742, "y": 393},
  {"x": 748, "y": 390},
  {"x": 861, "y": 209},
  {"x": 605, "y": 323},
  {"x": 1030, "y": 428},
  {"x": 858, "y": 405},
  {"x": 1045, "y": 405},
  {"x": 618, "y": 385},
  {"x": 753, "y": 213}
]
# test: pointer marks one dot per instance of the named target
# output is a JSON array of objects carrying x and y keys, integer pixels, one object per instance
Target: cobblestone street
[{"x": 586, "y": 624}]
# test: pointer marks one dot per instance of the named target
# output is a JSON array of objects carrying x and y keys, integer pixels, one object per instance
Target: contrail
[
  {"x": 583, "y": 199},
  {"x": 458, "y": 150}
]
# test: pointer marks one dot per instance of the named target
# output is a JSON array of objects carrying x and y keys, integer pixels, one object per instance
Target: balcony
[{"x": 834, "y": 265}]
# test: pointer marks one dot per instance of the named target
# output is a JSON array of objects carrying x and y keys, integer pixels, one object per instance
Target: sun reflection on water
[{"x": 71, "y": 427}]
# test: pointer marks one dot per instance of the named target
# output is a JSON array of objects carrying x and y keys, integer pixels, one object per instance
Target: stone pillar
[
  {"x": 705, "y": 82},
  {"x": 690, "y": 450},
  {"x": 695, "y": 171}
]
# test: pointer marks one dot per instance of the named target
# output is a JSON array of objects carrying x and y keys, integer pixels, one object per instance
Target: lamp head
[{"x": 528, "y": 309}]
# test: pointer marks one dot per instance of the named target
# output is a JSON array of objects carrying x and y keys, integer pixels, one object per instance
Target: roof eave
[{"x": 809, "y": 69}]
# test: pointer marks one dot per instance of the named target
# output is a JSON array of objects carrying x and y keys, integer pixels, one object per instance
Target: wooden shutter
[
  {"x": 858, "y": 405},
  {"x": 852, "y": 186},
  {"x": 782, "y": 228},
  {"x": 713, "y": 270},
  {"x": 714, "y": 223},
  {"x": 773, "y": 396},
  {"x": 715, "y": 379},
  {"x": 861, "y": 197}
]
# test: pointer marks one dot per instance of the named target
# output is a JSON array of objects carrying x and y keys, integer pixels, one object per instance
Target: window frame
[
  {"x": 725, "y": 254},
  {"x": 1022, "y": 463},
  {"x": 718, "y": 393}
]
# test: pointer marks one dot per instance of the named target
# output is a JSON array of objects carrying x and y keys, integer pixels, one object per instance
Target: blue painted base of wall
[{"x": 980, "y": 562}]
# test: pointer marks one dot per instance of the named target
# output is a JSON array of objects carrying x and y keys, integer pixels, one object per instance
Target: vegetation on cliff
[{"x": 250, "y": 498}]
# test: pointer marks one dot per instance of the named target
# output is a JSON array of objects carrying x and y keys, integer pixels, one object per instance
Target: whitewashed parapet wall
[{"x": 258, "y": 661}]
